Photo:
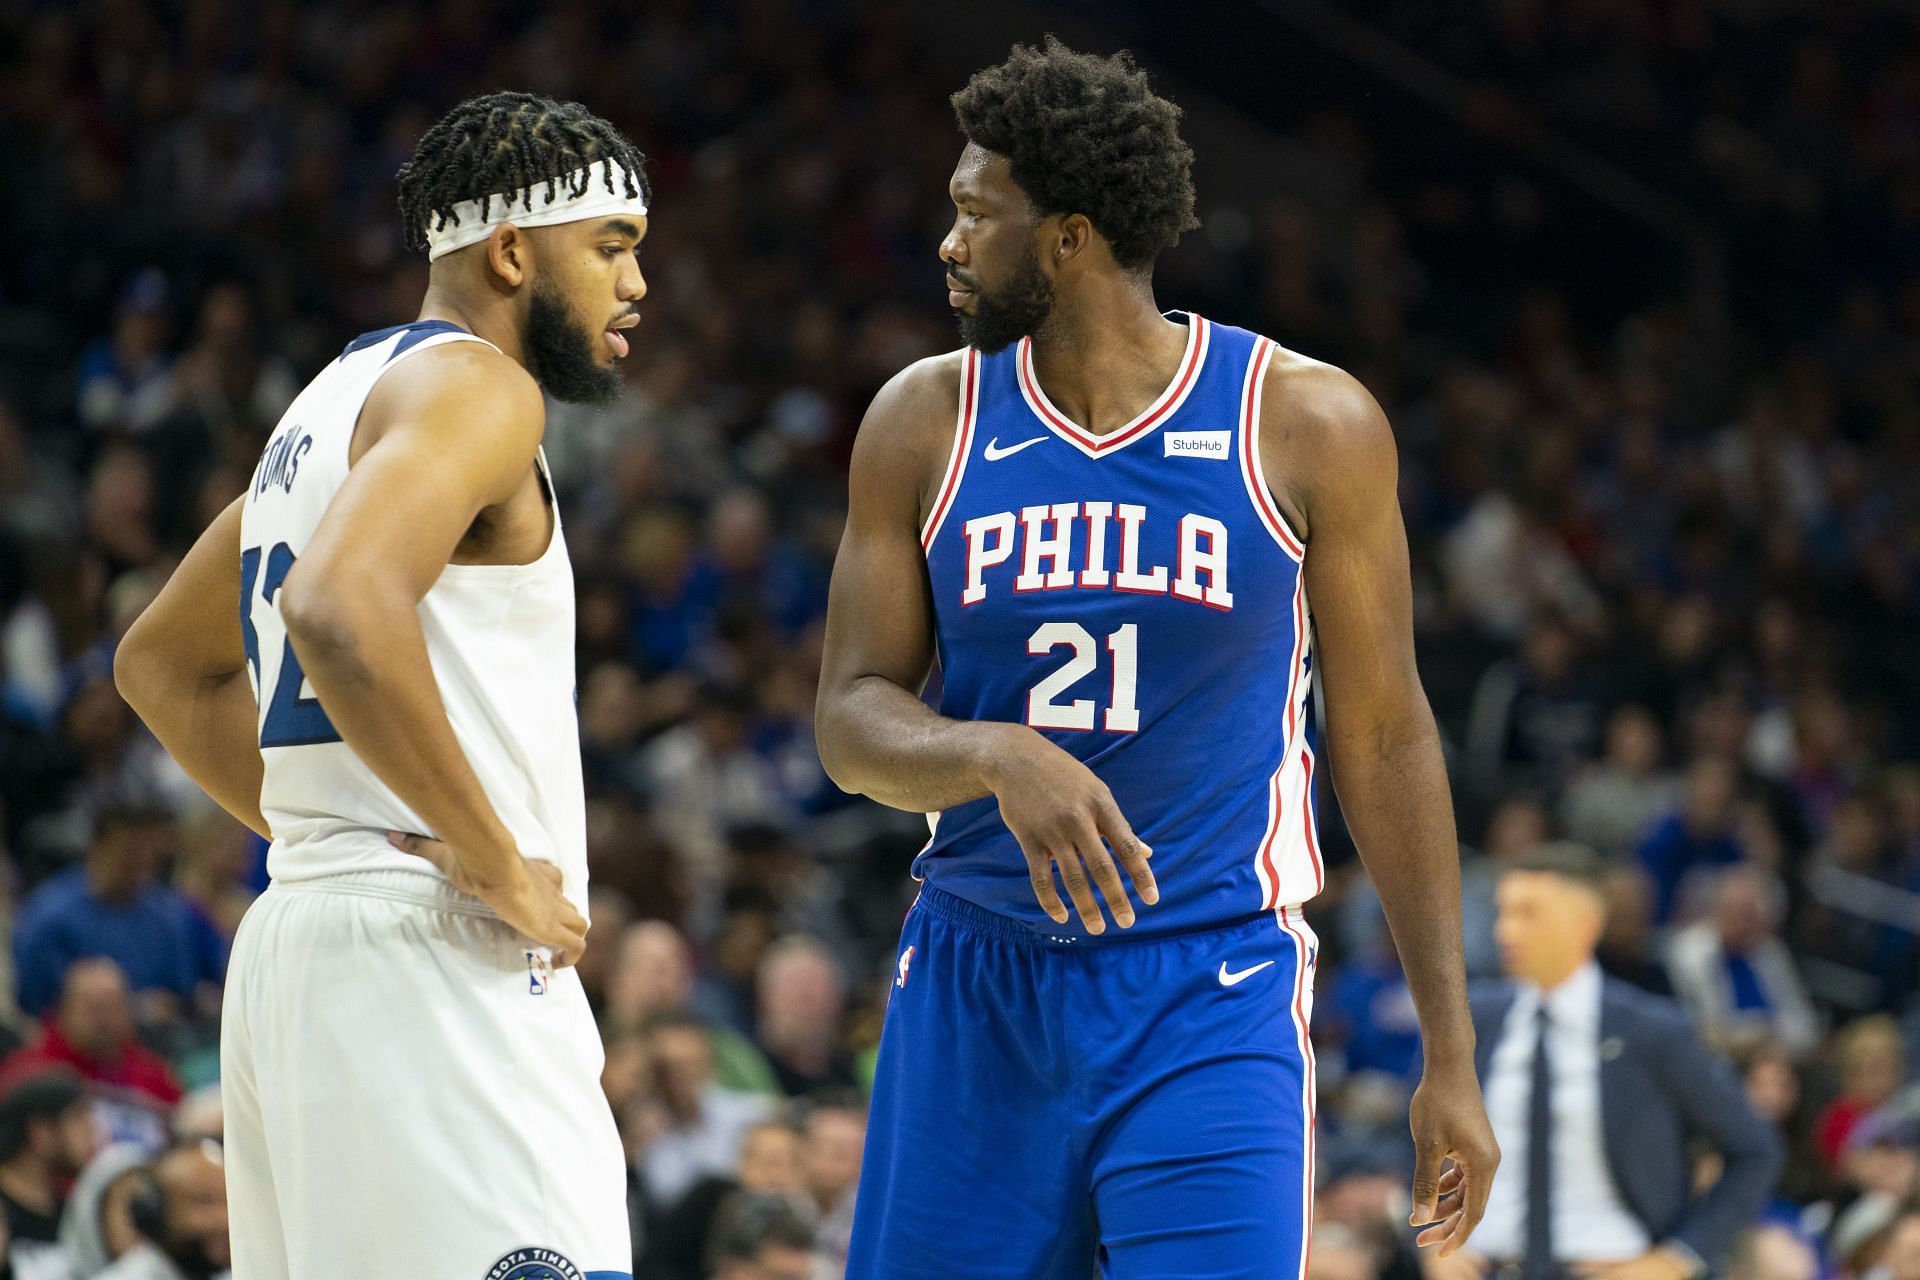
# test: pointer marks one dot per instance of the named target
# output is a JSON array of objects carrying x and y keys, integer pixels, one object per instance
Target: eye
[{"x": 612, "y": 251}]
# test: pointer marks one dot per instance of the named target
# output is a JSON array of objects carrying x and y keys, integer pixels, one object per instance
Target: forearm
[
  {"x": 368, "y": 663},
  {"x": 879, "y": 740},
  {"x": 208, "y": 724},
  {"x": 1392, "y": 785}
]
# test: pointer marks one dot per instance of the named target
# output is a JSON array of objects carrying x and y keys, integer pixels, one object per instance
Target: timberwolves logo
[{"x": 533, "y": 1264}]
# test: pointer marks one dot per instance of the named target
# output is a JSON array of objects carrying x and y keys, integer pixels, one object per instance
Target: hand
[
  {"x": 1061, "y": 813},
  {"x": 1454, "y": 1158},
  {"x": 1657, "y": 1263},
  {"x": 530, "y": 901}
]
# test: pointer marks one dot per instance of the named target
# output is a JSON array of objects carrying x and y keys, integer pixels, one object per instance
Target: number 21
[{"x": 1123, "y": 715}]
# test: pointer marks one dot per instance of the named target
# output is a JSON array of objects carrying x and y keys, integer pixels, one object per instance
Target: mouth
[
  {"x": 957, "y": 293},
  {"x": 617, "y": 339}
]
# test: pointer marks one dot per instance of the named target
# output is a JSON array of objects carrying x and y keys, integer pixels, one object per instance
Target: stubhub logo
[{"x": 1198, "y": 444}]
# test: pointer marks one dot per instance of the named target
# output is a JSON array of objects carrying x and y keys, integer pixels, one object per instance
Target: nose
[
  {"x": 953, "y": 249},
  {"x": 633, "y": 284}
]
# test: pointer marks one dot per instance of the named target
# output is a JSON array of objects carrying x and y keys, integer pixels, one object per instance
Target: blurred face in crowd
[
  {"x": 995, "y": 279},
  {"x": 126, "y": 857},
  {"x": 770, "y": 1160},
  {"x": 1884, "y": 1167},
  {"x": 1629, "y": 911},
  {"x": 830, "y": 1159},
  {"x": 1773, "y": 1086},
  {"x": 1547, "y": 925},
  {"x": 683, "y": 1063},
  {"x": 1633, "y": 741},
  {"x": 69, "y": 1140},
  {"x": 195, "y": 1187},
  {"x": 1873, "y": 1061},
  {"x": 773, "y": 1262},
  {"x": 1516, "y": 826},
  {"x": 96, "y": 1014},
  {"x": 654, "y": 973},
  {"x": 800, "y": 998},
  {"x": 1743, "y": 910},
  {"x": 581, "y": 299},
  {"x": 1711, "y": 786}
]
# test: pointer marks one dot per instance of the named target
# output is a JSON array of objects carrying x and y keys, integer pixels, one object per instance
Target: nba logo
[
  {"x": 539, "y": 972},
  {"x": 906, "y": 958}
]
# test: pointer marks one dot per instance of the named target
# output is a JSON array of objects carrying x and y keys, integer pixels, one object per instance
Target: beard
[
  {"x": 1012, "y": 312},
  {"x": 561, "y": 355}
]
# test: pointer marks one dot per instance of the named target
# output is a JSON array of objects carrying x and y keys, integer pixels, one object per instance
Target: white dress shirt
[{"x": 1590, "y": 1222}]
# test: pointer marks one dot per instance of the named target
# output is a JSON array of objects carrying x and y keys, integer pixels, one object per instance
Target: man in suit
[{"x": 1599, "y": 1094}]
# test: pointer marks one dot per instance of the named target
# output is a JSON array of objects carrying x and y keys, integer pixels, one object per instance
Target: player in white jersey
[{"x": 368, "y": 658}]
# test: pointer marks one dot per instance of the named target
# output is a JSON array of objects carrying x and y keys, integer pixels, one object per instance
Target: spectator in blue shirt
[
  {"x": 114, "y": 905},
  {"x": 1699, "y": 835}
]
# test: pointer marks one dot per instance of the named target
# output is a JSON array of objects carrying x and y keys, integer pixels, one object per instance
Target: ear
[
  {"x": 509, "y": 253},
  {"x": 1071, "y": 237}
]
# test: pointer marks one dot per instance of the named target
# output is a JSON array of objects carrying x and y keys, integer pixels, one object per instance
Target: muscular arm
[
  {"x": 1382, "y": 744},
  {"x": 876, "y": 736},
  {"x": 183, "y": 669},
  {"x": 454, "y": 432}
]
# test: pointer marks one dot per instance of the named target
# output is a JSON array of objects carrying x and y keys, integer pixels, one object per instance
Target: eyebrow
[{"x": 620, "y": 226}]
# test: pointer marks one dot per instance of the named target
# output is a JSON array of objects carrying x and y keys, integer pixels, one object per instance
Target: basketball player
[
  {"x": 1111, "y": 550},
  {"x": 377, "y": 638}
]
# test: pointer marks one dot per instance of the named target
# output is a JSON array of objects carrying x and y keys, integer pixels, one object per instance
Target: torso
[{"x": 1167, "y": 645}]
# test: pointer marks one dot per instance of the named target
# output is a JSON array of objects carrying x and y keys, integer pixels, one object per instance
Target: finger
[
  {"x": 404, "y": 842},
  {"x": 1094, "y": 855},
  {"x": 1130, "y": 849},
  {"x": 1438, "y": 1232},
  {"x": 1450, "y": 1181},
  {"x": 1073, "y": 878},
  {"x": 1040, "y": 875},
  {"x": 1429, "y": 1153},
  {"x": 1476, "y": 1189},
  {"x": 546, "y": 871}
]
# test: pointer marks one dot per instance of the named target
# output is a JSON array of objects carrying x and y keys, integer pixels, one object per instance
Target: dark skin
[
  {"x": 442, "y": 473},
  {"x": 1329, "y": 459}
]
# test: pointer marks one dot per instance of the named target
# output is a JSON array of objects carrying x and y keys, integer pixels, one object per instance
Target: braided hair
[{"x": 509, "y": 144}]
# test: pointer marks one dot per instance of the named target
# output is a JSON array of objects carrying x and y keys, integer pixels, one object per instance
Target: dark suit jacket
[{"x": 1660, "y": 1089}]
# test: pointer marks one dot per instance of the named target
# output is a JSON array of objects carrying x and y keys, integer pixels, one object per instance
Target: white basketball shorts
[{"x": 411, "y": 1092}]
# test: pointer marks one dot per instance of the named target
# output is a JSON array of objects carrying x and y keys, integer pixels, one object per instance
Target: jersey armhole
[
  {"x": 966, "y": 413},
  {"x": 1264, "y": 505}
]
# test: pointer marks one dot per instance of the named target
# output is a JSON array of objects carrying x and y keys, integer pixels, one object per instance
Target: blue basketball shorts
[{"x": 1046, "y": 1110}]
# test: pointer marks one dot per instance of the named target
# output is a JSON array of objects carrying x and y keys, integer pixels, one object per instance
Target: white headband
[{"x": 466, "y": 225}]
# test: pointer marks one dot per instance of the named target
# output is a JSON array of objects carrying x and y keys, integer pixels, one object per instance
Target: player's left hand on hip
[{"x": 1455, "y": 1156}]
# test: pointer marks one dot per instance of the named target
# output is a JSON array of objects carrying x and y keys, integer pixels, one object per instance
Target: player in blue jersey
[{"x": 1107, "y": 523}]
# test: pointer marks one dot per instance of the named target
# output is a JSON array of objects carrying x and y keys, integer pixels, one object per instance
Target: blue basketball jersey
[{"x": 1137, "y": 597}]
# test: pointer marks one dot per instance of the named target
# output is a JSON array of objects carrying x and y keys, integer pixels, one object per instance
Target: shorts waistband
[
  {"x": 973, "y": 916},
  {"x": 421, "y": 888}
]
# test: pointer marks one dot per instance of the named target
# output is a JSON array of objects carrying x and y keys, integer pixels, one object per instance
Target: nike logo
[
  {"x": 1229, "y": 979},
  {"x": 994, "y": 452}
]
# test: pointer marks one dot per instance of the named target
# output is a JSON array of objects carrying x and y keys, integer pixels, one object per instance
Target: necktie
[{"x": 1539, "y": 1257}]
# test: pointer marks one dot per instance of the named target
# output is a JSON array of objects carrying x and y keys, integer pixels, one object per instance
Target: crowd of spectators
[{"x": 1664, "y": 555}]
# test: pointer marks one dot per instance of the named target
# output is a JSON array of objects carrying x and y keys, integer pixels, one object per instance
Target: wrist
[{"x": 994, "y": 747}]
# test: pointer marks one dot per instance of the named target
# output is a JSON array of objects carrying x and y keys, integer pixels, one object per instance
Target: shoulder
[
  {"x": 458, "y": 383},
  {"x": 1645, "y": 1013},
  {"x": 1321, "y": 409},
  {"x": 907, "y": 433},
  {"x": 1326, "y": 447}
]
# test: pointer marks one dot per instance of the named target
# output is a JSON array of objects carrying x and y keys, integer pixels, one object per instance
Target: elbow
[
  {"x": 318, "y": 622},
  {"x": 830, "y": 744}
]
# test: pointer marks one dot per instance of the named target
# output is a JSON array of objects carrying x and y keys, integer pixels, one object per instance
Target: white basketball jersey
[{"x": 500, "y": 638}]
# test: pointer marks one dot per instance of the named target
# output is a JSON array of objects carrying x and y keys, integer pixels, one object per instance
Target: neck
[
  {"x": 1106, "y": 351},
  {"x": 111, "y": 886},
  {"x": 29, "y": 1183},
  {"x": 1552, "y": 978},
  {"x": 488, "y": 317}
]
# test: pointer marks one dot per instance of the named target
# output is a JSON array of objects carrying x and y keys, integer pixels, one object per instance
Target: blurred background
[{"x": 1637, "y": 281}]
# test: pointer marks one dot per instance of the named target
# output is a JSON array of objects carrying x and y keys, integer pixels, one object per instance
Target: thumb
[{"x": 1428, "y": 1157}]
